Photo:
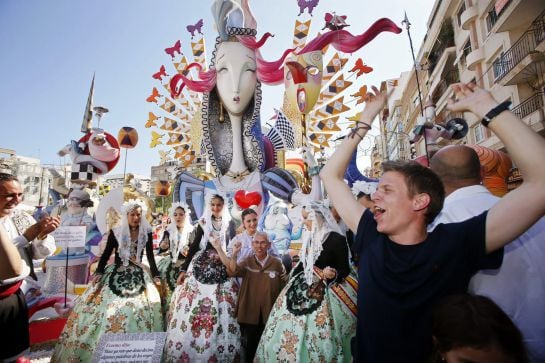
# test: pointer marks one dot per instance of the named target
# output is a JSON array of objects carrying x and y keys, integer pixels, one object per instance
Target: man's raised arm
[
  {"x": 522, "y": 207},
  {"x": 333, "y": 172}
]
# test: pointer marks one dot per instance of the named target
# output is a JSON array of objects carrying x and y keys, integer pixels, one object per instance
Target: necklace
[{"x": 215, "y": 223}]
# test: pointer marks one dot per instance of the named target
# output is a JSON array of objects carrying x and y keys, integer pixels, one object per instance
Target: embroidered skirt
[
  {"x": 169, "y": 274},
  {"x": 310, "y": 323},
  {"x": 202, "y": 325},
  {"x": 125, "y": 300}
]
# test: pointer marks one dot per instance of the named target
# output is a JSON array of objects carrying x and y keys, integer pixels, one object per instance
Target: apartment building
[
  {"x": 499, "y": 44},
  {"x": 167, "y": 170},
  {"x": 35, "y": 178}
]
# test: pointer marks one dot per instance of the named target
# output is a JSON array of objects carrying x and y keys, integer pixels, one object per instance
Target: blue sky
[{"x": 50, "y": 49}]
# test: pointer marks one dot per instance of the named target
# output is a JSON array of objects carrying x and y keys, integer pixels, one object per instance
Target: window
[
  {"x": 479, "y": 133},
  {"x": 498, "y": 67},
  {"x": 416, "y": 100},
  {"x": 465, "y": 51},
  {"x": 495, "y": 12},
  {"x": 459, "y": 14}
]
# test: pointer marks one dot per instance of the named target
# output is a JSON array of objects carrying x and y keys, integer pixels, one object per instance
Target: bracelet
[
  {"x": 504, "y": 106},
  {"x": 314, "y": 170},
  {"x": 356, "y": 128}
]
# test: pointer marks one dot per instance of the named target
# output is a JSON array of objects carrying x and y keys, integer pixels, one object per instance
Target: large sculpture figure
[{"x": 232, "y": 99}]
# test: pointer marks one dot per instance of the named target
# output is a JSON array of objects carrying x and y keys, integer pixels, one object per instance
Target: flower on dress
[
  {"x": 320, "y": 319},
  {"x": 289, "y": 342},
  {"x": 117, "y": 323}
]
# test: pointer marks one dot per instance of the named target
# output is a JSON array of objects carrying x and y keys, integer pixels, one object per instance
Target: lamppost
[{"x": 408, "y": 27}]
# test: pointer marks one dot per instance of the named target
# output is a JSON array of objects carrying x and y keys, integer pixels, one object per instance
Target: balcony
[
  {"x": 448, "y": 78},
  {"x": 531, "y": 111},
  {"x": 445, "y": 40},
  {"x": 518, "y": 64},
  {"x": 474, "y": 58},
  {"x": 517, "y": 13},
  {"x": 468, "y": 16}
]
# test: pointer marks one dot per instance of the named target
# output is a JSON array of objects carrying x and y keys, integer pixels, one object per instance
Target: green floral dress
[
  {"x": 125, "y": 300},
  {"x": 314, "y": 322}
]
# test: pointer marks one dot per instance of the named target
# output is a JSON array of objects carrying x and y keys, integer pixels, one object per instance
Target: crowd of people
[{"x": 429, "y": 267}]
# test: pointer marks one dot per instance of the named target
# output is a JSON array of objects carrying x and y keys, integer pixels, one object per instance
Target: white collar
[
  {"x": 464, "y": 192},
  {"x": 264, "y": 262}
]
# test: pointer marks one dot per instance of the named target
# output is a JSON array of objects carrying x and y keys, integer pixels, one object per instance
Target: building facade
[
  {"x": 35, "y": 178},
  {"x": 141, "y": 182},
  {"x": 498, "y": 44},
  {"x": 167, "y": 171}
]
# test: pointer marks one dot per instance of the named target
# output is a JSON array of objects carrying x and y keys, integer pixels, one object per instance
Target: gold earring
[{"x": 222, "y": 118}]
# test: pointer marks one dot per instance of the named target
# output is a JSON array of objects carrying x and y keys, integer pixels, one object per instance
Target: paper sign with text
[
  {"x": 70, "y": 236},
  {"x": 135, "y": 347}
]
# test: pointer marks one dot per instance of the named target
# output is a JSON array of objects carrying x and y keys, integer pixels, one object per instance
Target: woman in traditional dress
[
  {"x": 174, "y": 243},
  {"x": 202, "y": 325},
  {"x": 122, "y": 297},
  {"x": 314, "y": 318}
]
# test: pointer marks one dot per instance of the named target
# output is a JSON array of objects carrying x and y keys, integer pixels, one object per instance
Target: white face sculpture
[{"x": 236, "y": 76}]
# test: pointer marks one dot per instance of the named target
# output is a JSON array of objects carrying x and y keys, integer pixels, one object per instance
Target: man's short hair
[
  {"x": 420, "y": 179},
  {"x": 466, "y": 167},
  {"x": 5, "y": 177},
  {"x": 261, "y": 233}
]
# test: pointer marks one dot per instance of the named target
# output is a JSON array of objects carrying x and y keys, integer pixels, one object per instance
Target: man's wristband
[{"x": 504, "y": 106}]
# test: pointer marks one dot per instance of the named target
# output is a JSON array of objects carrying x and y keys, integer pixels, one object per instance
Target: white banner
[
  {"x": 70, "y": 236},
  {"x": 136, "y": 347}
]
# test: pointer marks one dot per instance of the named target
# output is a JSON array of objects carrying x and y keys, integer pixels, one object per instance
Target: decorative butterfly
[
  {"x": 355, "y": 118},
  {"x": 177, "y": 48},
  {"x": 361, "y": 68},
  {"x": 155, "y": 139},
  {"x": 195, "y": 28},
  {"x": 361, "y": 95},
  {"x": 153, "y": 96},
  {"x": 159, "y": 75},
  {"x": 151, "y": 120}
]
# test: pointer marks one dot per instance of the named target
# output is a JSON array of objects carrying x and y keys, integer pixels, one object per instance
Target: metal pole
[
  {"x": 408, "y": 27},
  {"x": 304, "y": 141},
  {"x": 66, "y": 277},
  {"x": 125, "y": 166}
]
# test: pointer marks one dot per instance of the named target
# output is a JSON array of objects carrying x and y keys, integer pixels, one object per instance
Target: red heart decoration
[{"x": 246, "y": 199}]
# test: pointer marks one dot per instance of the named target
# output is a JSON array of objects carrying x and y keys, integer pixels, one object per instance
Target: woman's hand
[
  {"x": 96, "y": 278},
  {"x": 164, "y": 245},
  {"x": 215, "y": 241},
  {"x": 329, "y": 273}
]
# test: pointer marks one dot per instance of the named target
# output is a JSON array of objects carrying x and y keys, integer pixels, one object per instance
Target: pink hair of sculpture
[
  {"x": 346, "y": 42},
  {"x": 267, "y": 72}
]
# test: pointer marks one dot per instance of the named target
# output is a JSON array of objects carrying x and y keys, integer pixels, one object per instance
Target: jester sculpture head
[
  {"x": 303, "y": 80},
  {"x": 303, "y": 73}
]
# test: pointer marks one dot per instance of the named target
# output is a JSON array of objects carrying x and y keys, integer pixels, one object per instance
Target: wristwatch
[{"x": 504, "y": 106}]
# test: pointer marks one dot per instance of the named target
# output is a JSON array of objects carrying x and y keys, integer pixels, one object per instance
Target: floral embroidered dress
[
  {"x": 202, "y": 324},
  {"x": 125, "y": 300},
  {"x": 313, "y": 319}
]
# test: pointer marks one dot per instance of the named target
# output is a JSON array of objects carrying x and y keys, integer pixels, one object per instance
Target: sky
[{"x": 49, "y": 51}]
